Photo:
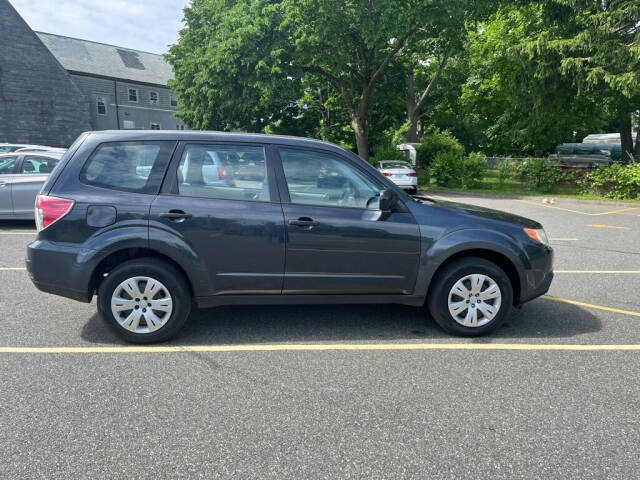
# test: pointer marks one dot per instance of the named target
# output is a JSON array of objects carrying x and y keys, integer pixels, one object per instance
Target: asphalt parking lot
[{"x": 337, "y": 392}]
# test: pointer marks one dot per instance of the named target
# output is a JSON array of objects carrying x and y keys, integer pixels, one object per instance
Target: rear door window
[
  {"x": 38, "y": 165},
  {"x": 229, "y": 172},
  {"x": 130, "y": 166}
]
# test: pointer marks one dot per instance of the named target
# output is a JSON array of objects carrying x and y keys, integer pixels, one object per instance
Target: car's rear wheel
[
  {"x": 144, "y": 300},
  {"x": 470, "y": 297}
]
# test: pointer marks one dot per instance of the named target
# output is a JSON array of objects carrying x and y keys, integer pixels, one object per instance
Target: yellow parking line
[
  {"x": 316, "y": 347},
  {"x": 591, "y": 305},
  {"x": 610, "y": 212},
  {"x": 12, "y": 268},
  {"x": 602, "y": 225},
  {"x": 18, "y": 233}
]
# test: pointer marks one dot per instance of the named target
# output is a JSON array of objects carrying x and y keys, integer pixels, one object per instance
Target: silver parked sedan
[{"x": 21, "y": 177}]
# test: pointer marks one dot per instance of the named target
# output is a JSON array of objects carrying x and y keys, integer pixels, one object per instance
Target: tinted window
[
  {"x": 232, "y": 172},
  {"x": 394, "y": 165},
  {"x": 7, "y": 165},
  {"x": 129, "y": 166},
  {"x": 6, "y": 149},
  {"x": 323, "y": 179},
  {"x": 38, "y": 165}
]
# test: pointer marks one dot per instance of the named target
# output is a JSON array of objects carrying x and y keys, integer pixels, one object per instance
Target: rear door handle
[
  {"x": 304, "y": 222},
  {"x": 176, "y": 215}
]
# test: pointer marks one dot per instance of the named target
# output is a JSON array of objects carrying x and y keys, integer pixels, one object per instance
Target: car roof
[
  {"x": 53, "y": 155},
  {"x": 203, "y": 136}
]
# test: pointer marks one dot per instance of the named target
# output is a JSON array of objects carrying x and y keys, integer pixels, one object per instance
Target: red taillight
[
  {"x": 51, "y": 209},
  {"x": 386, "y": 174},
  {"x": 412, "y": 174},
  {"x": 222, "y": 173}
]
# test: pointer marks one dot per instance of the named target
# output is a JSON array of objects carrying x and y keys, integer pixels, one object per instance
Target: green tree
[
  {"x": 602, "y": 55},
  {"x": 247, "y": 64}
]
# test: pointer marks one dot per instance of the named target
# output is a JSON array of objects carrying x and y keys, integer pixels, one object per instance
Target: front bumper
[
  {"x": 53, "y": 268},
  {"x": 539, "y": 277}
]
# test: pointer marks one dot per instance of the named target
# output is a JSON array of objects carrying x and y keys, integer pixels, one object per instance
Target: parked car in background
[
  {"x": 401, "y": 173},
  {"x": 586, "y": 155},
  {"x": 59, "y": 151},
  {"x": 318, "y": 225},
  {"x": 22, "y": 174},
  {"x": 12, "y": 147}
]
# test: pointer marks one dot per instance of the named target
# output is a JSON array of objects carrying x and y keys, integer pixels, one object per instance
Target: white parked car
[{"x": 401, "y": 173}]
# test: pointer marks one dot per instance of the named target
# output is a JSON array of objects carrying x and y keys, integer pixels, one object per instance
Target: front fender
[{"x": 462, "y": 240}]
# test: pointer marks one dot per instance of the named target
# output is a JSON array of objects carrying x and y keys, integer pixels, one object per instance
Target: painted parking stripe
[
  {"x": 18, "y": 233},
  {"x": 610, "y": 212},
  {"x": 316, "y": 347},
  {"x": 16, "y": 269},
  {"x": 591, "y": 305},
  {"x": 613, "y": 227}
]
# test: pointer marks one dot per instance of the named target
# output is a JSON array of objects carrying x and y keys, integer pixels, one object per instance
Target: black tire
[
  {"x": 172, "y": 279},
  {"x": 441, "y": 285},
  {"x": 413, "y": 190}
]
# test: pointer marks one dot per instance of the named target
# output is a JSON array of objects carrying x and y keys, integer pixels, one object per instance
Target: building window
[
  {"x": 174, "y": 100},
  {"x": 153, "y": 98},
  {"x": 179, "y": 127},
  {"x": 133, "y": 95},
  {"x": 128, "y": 124},
  {"x": 155, "y": 126},
  {"x": 101, "y": 104}
]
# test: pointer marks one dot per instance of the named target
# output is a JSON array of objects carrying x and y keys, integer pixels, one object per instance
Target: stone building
[
  {"x": 52, "y": 87},
  {"x": 39, "y": 102}
]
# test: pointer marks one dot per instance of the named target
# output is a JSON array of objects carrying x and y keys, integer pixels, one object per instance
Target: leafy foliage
[
  {"x": 616, "y": 181},
  {"x": 435, "y": 143},
  {"x": 449, "y": 169}
]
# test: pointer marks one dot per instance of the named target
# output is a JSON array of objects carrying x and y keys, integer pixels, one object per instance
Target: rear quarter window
[{"x": 129, "y": 166}]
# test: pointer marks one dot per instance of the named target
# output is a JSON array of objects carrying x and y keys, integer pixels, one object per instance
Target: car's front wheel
[
  {"x": 144, "y": 300},
  {"x": 470, "y": 297}
]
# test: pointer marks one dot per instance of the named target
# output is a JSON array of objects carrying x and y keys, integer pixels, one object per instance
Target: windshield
[
  {"x": 6, "y": 148},
  {"x": 396, "y": 164}
]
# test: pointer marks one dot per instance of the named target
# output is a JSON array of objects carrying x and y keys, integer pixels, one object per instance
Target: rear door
[
  {"x": 33, "y": 172},
  {"x": 222, "y": 200},
  {"x": 335, "y": 243}
]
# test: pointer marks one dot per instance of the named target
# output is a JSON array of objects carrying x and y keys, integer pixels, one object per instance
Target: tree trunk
[
  {"x": 362, "y": 140},
  {"x": 636, "y": 150},
  {"x": 626, "y": 139},
  {"x": 412, "y": 110}
]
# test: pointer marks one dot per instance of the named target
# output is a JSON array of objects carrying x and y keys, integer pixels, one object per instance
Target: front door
[
  {"x": 335, "y": 243},
  {"x": 224, "y": 203},
  {"x": 8, "y": 167}
]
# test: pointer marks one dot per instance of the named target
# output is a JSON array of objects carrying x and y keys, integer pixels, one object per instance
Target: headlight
[{"x": 538, "y": 235}]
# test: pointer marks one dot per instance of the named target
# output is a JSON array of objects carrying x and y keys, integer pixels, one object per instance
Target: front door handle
[
  {"x": 176, "y": 215},
  {"x": 304, "y": 222},
  {"x": 3, "y": 184}
]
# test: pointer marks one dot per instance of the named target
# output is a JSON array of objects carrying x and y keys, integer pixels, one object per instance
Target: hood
[{"x": 482, "y": 212}]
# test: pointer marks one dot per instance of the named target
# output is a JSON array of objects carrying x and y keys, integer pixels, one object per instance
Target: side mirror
[{"x": 388, "y": 200}]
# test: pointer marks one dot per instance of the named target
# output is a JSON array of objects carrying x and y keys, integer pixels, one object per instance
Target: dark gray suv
[{"x": 153, "y": 222}]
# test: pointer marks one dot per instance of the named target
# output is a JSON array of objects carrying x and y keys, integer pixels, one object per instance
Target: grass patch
[{"x": 490, "y": 184}]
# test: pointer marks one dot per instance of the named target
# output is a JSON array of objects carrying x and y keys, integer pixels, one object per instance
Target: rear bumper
[{"x": 54, "y": 268}]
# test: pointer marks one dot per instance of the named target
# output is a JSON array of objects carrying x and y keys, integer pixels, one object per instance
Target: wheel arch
[
  {"x": 499, "y": 259},
  {"x": 117, "y": 257}
]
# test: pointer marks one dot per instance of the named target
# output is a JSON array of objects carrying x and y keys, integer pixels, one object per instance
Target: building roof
[{"x": 93, "y": 58}]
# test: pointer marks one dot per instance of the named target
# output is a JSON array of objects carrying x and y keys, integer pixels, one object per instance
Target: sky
[{"x": 148, "y": 25}]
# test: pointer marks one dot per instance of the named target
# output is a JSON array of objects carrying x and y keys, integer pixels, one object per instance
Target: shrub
[
  {"x": 452, "y": 170},
  {"x": 616, "y": 181},
  {"x": 471, "y": 170},
  {"x": 435, "y": 143},
  {"x": 507, "y": 169},
  {"x": 443, "y": 168},
  {"x": 541, "y": 175}
]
